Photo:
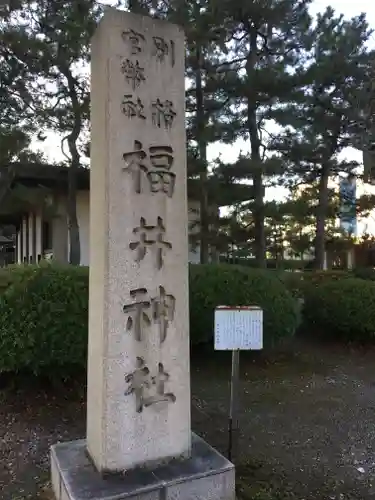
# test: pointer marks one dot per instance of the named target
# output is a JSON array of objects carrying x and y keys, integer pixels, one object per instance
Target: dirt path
[{"x": 307, "y": 425}]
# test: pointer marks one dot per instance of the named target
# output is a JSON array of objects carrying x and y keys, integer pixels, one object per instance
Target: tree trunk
[
  {"x": 202, "y": 150},
  {"x": 73, "y": 228},
  {"x": 321, "y": 213},
  {"x": 133, "y": 6},
  {"x": 260, "y": 237}
]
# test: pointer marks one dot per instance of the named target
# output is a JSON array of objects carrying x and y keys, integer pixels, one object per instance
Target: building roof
[{"x": 52, "y": 178}]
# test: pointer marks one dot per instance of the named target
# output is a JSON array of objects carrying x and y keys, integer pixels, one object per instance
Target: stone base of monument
[{"x": 207, "y": 475}]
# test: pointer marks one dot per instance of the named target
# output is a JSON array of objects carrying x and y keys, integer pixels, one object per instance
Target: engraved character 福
[{"x": 159, "y": 177}]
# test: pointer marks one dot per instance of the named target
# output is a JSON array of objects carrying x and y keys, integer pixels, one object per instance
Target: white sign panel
[{"x": 238, "y": 328}]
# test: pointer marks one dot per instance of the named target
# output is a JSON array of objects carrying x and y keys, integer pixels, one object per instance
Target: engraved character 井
[
  {"x": 163, "y": 308},
  {"x": 133, "y": 73},
  {"x": 136, "y": 40},
  {"x": 132, "y": 107},
  {"x": 134, "y": 161},
  {"x": 143, "y": 230},
  {"x": 141, "y": 382},
  {"x": 163, "y": 50},
  {"x": 138, "y": 316},
  {"x": 161, "y": 179},
  {"x": 163, "y": 113}
]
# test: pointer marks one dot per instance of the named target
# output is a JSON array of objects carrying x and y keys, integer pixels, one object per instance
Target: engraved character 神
[
  {"x": 163, "y": 113},
  {"x": 163, "y": 308},
  {"x": 132, "y": 107},
  {"x": 133, "y": 73},
  {"x": 160, "y": 178},
  {"x": 135, "y": 39},
  {"x": 144, "y": 233},
  {"x": 141, "y": 384},
  {"x": 138, "y": 316},
  {"x": 134, "y": 162}
]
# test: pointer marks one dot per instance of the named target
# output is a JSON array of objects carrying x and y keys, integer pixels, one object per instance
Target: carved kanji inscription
[
  {"x": 153, "y": 167},
  {"x": 138, "y": 312},
  {"x": 133, "y": 72},
  {"x": 159, "y": 309},
  {"x": 150, "y": 236},
  {"x": 163, "y": 49},
  {"x": 163, "y": 113},
  {"x": 133, "y": 107},
  {"x": 163, "y": 307},
  {"x": 148, "y": 389},
  {"x": 135, "y": 40}
]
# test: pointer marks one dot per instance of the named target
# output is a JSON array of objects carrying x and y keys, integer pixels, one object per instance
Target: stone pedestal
[{"x": 206, "y": 475}]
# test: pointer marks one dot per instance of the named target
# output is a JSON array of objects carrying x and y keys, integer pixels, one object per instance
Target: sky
[{"x": 349, "y": 8}]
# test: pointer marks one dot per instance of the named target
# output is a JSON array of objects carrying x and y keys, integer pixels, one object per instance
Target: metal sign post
[
  {"x": 233, "y": 407},
  {"x": 236, "y": 329}
]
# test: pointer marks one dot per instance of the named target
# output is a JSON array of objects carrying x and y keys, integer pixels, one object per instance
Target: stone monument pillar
[
  {"x": 139, "y": 301},
  {"x": 139, "y": 440}
]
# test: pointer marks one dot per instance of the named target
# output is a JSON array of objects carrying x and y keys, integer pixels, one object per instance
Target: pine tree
[
  {"x": 18, "y": 99},
  {"x": 51, "y": 41},
  {"x": 319, "y": 122},
  {"x": 264, "y": 42}
]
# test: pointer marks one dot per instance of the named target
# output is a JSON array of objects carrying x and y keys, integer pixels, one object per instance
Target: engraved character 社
[
  {"x": 135, "y": 39},
  {"x": 133, "y": 73},
  {"x": 160, "y": 178},
  {"x": 163, "y": 308},
  {"x": 134, "y": 162},
  {"x": 162, "y": 49},
  {"x": 163, "y": 113},
  {"x": 138, "y": 317},
  {"x": 150, "y": 236},
  {"x": 132, "y": 107},
  {"x": 148, "y": 389}
]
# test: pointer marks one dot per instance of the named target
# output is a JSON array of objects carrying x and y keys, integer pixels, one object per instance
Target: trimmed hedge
[
  {"x": 44, "y": 319},
  {"x": 343, "y": 309},
  {"x": 212, "y": 285},
  {"x": 44, "y": 312},
  {"x": 299, "y": 283},
  {"x": 365, "y": 273}
]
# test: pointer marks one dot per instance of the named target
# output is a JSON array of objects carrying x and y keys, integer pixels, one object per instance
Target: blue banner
[{"x": 348, "y": 202}]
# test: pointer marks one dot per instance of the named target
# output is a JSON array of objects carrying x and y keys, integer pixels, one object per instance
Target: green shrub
[
  {"x": 365, "y": 273},
  {"x": 44, "y": 320},
  {"x": 44, "y": 312},
  {"x": 317, "y": 277},
  {"x": 298, "y": 283},
  {"x": 12, "y": 274},
  {"x": 212, "y": 285},
  {"x": 343, "y": 309},
  {"x": 293, "y": 280}
]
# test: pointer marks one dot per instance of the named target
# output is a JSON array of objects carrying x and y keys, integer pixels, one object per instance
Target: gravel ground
[{"x": 306, "y": 424}]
